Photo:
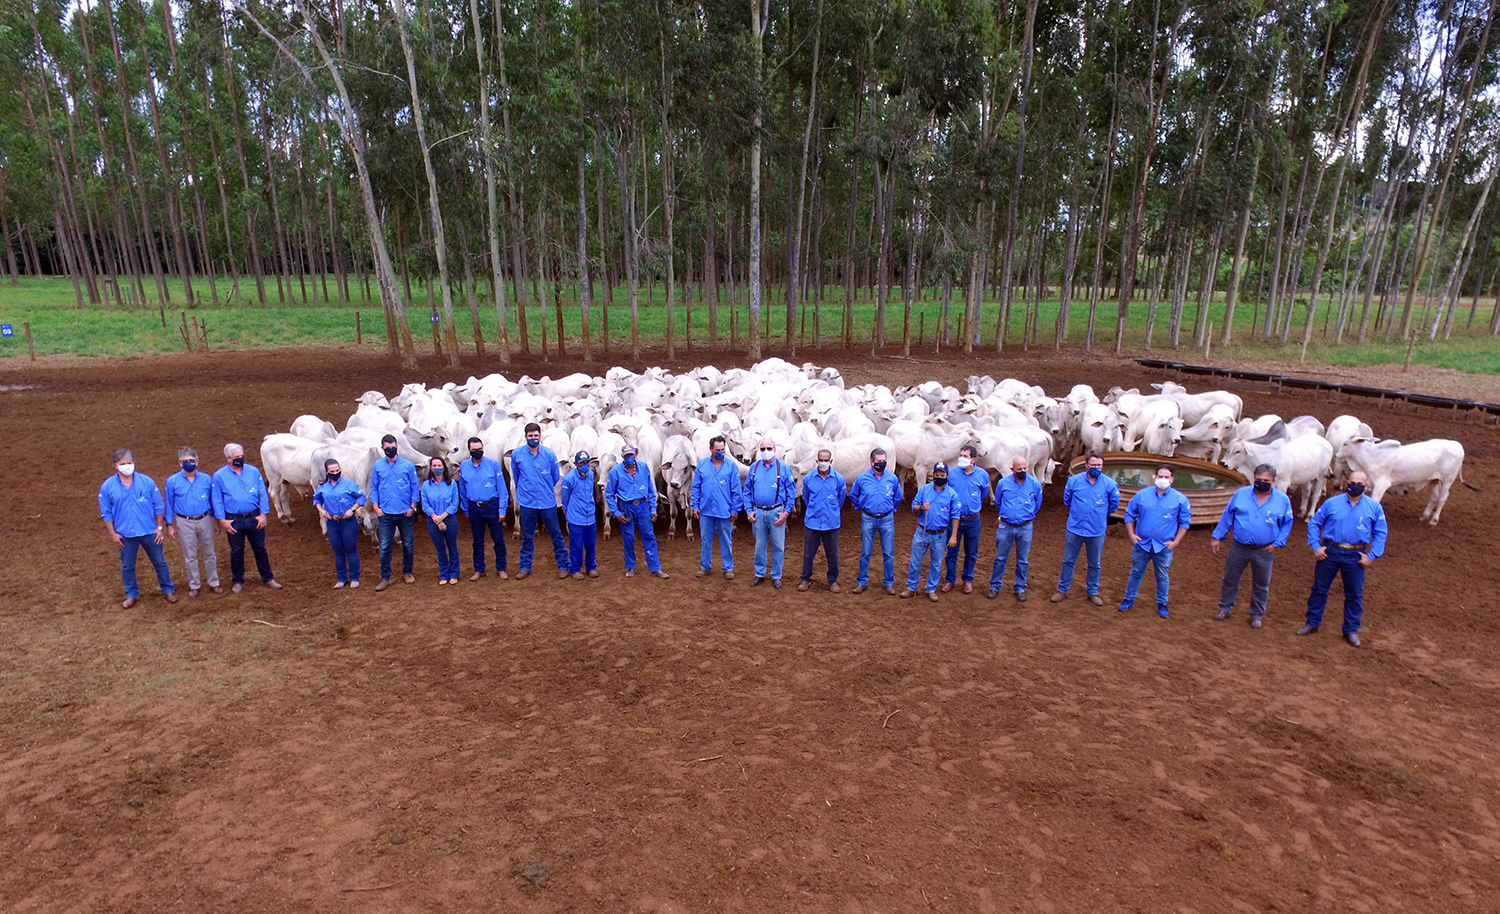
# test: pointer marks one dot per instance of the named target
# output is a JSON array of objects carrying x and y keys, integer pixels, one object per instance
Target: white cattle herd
[{"x": 671, "y": 418}]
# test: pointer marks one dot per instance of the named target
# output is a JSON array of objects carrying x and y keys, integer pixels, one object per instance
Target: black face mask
[
  {"x": 1355, "y": 489},
  {"x": 390, "y": 452},
  {"x": 878, "y": 466},
  {"x": 1262, "y": 486},
  {"x": 334, "y": 477},
  {"x": 189, "y": 466},
  {"x": 940, "y": 481},
  {"x": 1020, "y": 475},
  {"x": 238, "y": 462},
  {"x": 477, "y": 453}
]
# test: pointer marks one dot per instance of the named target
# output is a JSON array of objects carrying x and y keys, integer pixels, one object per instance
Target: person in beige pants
[{"x": 190, "y": 520}]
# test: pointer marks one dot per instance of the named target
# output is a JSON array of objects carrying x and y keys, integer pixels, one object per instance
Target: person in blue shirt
[
  {"x": 483, "y": 497},
  {"x": 716, "y": 499},
  {"x": 440, "y": 504},
  {"x": 972, "y": 486},
  {"x": 536, "y": 472},
  {"x": 1347, "y": 535},
  {"x": 131, "y": 506},
  {"x": 1090, "y": 497},
  {"x": 241, "y": 505},
  {"x": 1157, "y": 519},
  {"x": 395, "y": 497},
  {"x": 1260, "y": 517},
  {"x": 937, "y": 510},
  {"x": 1018, "y": 498},
  {"x": 630, "y": 495},
  {"x": 876, "y": 493},
  {"x": 823, "y": 494},
  {"x": 578, "y": 506},
  {"x": 190, "y": 519},
  {"x": 770, "y": 497},
  {"x": 336, "y": 499}
]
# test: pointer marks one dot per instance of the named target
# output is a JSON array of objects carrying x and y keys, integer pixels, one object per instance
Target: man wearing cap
[
  {"x": 1347, "y": 534},
  {"x": 396, "y": 497},
  {"x": 241, "y": 505},
  {"x": 1090, "y": 497},
  {"x": 876, "y": 492},
  {"x": 189, "y": 500},
  {"x": 536, "y": 473},
  {"x": 823, "y": 493},
  {"x": 578, "y": 507},
  {"x": 972, "y": 486},
  {"x": 482, "y": 496},
  {"x": 938, "y": 511},
  {"x": 131, "y": 506},
  {"x": 1157, "y": 519},
  {"x": 630, "y": 495},
  {"x": 716, "y": 498},
  {"x": 1018, "y": 497},
  {"x": 1260, "y": 517},
  {"x": 770, "y": 495}
]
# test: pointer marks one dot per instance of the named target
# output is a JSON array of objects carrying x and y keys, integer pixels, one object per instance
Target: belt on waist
[
  {"x": 635, "y": 501},
  {"x": 243, "y": 516},
  {"x": 936, "y": 529},
  {"x": 1021, "y": 524},
  {"x": 1358, "y": 547},
  {"x": 874, "y": 515},
  {"x": 767, "y": 507},
  {"x": 192, "y": 516},
  {"x": 968, "y": 516},
  {"x": 481, "y": 504}
]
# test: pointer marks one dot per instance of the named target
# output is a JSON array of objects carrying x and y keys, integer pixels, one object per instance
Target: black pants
[
  {"x": 829, "y": 540},
  {"x": 244, "y": 528}
]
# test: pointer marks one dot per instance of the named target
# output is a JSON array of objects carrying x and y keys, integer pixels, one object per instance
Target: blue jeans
[
  {"x": 482, "y": 519},
  {"x": 1005, "y": 537},
  {"x": 926, "y": 545},
  {"x": 245, "y": 530},
  {"x": 765, "y": 529},
  {"x": 1094, "y": 547},
  {"x": 343, "y": 536},
  {"x": 389, "y": 523},
  {"x": 581, "y": 540},
  {"x": 640, "y": 522},
  {"x": 868, "y": 528},
  {"x": 722, "y": 529},
  {"x": 548, "y": 517},
  {"x": 1345, "y": 563},
  {"x": 446, "y": 544},
  {"x": 1139, "y": 559},
  {"x": 968, "y": 541},
  {"x": 128, "y": 555}
]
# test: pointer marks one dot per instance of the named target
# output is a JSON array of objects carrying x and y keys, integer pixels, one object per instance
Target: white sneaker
[
  {"x": 337, "y": 584},
  {"x": 353, "y": 583}
]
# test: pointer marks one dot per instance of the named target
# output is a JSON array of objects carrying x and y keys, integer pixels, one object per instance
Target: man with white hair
[
  {"x": 770, "y": 495},
  {"x": 241, "y": 505}
]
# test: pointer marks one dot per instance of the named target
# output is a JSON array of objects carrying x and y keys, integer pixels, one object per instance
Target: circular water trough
[{"x": 1208, "y": 486}]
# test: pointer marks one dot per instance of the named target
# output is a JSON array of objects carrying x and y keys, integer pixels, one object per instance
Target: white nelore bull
[
  {"x": 287, "y": 461},
  {"x": 1390, "y": 463},
  {"x": 1196, "y": 406},
  {"x": 1300, "y": 464}
]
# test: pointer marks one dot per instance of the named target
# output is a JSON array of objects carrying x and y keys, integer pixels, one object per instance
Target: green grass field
[{"x": 59, "y": 326}]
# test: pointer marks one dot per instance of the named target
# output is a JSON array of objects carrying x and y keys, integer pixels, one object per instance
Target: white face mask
[
  {"x": 1163, "y": 485},
  {"x": 126, "y": 469},
  {"x": 824, "y": 466},
  {"x": 963, "y": 463},
  {"x": 767, "y": 454}
]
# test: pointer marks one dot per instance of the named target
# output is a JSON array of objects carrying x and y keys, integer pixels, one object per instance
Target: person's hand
[
  {"x": 260, "y": 522},
  {"x": 1365, "y": 561},
  {"x": 653, "y": 518},
  {"x": 781, "y": 517},
  {"x": 952, "y": 541},
  {"x": 442, "y": 526},
  {"x": 228, "y": 525},
  {"x": 158, "y": 536},
  {"x": 750, "y": 516},
  {"x": 410, "y": 512},
  {"x": 1135, "y": 539},
  {"x": 624, "y": 519},
  {"x": 695, "y": 513},
  {"x": 378, "y": 512},
  {"x": 1173, "y": 544},
  {"x": 116, "y": 539},
  {"x": 172, "y": 532},
  {"x": 1320, "y": 553},
  {"x": 348, "y": 514},
  {"x": 1271, "y": 547},
  {"x": 1214, "y": 545},
  {"x": 926, "y": 505},
  {"x": 324, "y": 514}
]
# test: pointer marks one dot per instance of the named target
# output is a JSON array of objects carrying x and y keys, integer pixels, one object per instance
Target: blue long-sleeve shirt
[
  {"x": 620, "y": 486},
  {"x": 1158, "y": 517},
  {"x": 536, "y": 477},
  {"x": 578, "y": 498},
  {"x": 716, "y": 490},
  {"x": 876, "y": 494},
  {"x": 770, "y": 487},
  {"x": 393, "y": 485},
  {"x": 1017, "y": 502},
  {"x": 133, "y": 511},
  {"x": 942, "y": 511},
  {"x": 972, "y": 486},
  {"x": 338, "y": 497},
  {"x": 482, "y": 483},
  {"x": 190, "y": 497},
  {"x": 239, "y": 493},
  {"x": 824, "y": 496},
  {"x": 1339, "y": 521},
  {"x": 1256, "y": 524},
  {"x": 439, "y": 497},
  {"x": 1090, "y": 503}
]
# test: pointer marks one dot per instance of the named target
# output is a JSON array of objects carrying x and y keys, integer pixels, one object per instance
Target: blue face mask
[
  {"x": 718, "y": 455},
  {"x": 1095, "y": 471},
  {"x": 189, "y": 466},
  {"x": 533, "y": 443},
  {"x": 630, "y": 461},
  {"x": 583, "y": 471}
]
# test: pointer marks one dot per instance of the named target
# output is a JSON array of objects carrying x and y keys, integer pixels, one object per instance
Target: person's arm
[
  {"x": 263, "y": 514},
  {"x": 216, "y": 504},
  {"x": 1378, "y": 534},
  {"x": 650, "y": 489},
  {"x": 107, "y": 512},
  {"x": 1068, "y": 492},
  {"x": 790, "y": 501},
  {"x": 955, "y": 512},
  {"x": 462, "y": 485},
  {"x": 1132, "y": 510},
  {"x": 1315, "y": 532},
  {"x": 1283, "y": 527},
  {"x": 1114, "y": 501},
  {"x": 167, "y": 500},
  {"x": 502, "y": 491},
  {"x": 611, "y": 496},
  {"x": 321, "y": 503},
  {"x": 416, "y": 493},
  {"x": 747, "y": 494},
  {"x": 1222, "y": 528},
  {"x": 695, "y": 493}
]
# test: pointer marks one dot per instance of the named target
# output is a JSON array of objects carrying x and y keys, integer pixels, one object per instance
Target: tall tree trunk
[
  {"x": 1008, "y": 258},
  {"x": 757, "y": 36},
  {"x": 487, "y": 153},
  {"x": 794, "y": 264},
  {"x": 517, "y": 218},
  {"x": 585, "y": 283},
  {"x": 1236, "y": 264}
]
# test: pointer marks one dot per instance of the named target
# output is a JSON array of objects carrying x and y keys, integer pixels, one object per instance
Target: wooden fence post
[
  {"x": 31, "y": 348},
  {"x": 359, "y": 336}
]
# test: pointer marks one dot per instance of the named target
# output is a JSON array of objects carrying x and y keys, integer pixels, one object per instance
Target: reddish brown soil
[{"x": 699, "y": 746}]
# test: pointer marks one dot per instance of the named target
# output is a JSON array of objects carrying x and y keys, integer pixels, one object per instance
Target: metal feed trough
[{"x": 1208, "y": 486}]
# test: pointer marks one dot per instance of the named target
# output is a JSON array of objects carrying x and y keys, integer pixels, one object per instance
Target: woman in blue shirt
[
  {"x": 336, "y": 499},
  {"x": 440, "y": 504}
]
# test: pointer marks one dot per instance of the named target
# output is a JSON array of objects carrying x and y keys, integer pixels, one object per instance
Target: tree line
[{"x": 1326, "y": 163}]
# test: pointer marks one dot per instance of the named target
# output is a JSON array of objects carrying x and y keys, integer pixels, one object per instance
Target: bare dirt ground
[{"x": 688, "y": 745}]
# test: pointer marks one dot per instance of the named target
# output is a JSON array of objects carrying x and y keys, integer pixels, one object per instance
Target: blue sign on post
[
  {"x": 7, "y": 330},
  {"x": 434, "y": 317}
]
